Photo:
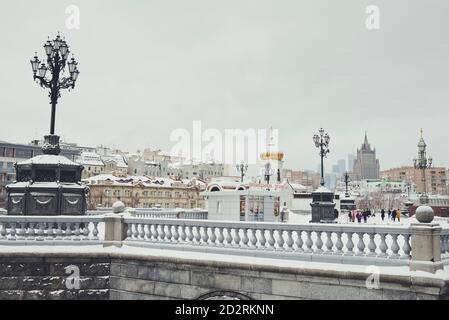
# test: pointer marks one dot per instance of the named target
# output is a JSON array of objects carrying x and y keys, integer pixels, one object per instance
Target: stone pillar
[
  {"x": 323, "y": 206},
  {"x": 115, "y": 229},
  {"x": 425, "y": 243}
]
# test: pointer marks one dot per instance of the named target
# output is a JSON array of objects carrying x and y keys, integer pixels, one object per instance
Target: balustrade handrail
[{"x": 24, "y": 219}]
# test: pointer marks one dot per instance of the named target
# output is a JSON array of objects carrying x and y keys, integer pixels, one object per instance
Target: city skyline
[{"x": 296, "y": 67}]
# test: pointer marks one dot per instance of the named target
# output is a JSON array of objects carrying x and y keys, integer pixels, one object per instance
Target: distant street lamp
[
  {"x": 57, "y": 52},
  {"x": 322, "y": 141},
  {"x": 346, "y": 184},
  {"x": 423, "y": 163},
  {"x": 268, "y": 172},
  {"x": 242, "y": 168}
]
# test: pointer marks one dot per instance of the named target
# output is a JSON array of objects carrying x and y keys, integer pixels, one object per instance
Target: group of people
[
  {"x": 394, "y": 214},
  {"x": 359, "y": 215}
]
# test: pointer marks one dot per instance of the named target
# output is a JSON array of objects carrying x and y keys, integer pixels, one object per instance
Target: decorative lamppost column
[
  {"x": 425, "y": 235},
  {"x": 346, "y": 176},
  {"x": 242, "y": 168},
  {"x": 57, "y": 52},
  {"x": 322, "y": 142},
  {"x": 323, "y": 199},
  {"x": 50, "y": 184},
  {"x": 424, "y": 213}
]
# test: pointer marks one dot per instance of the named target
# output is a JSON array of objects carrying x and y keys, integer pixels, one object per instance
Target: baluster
[
  {"x": 197, "y": 235},
  {"x": 162, "y": 232},
  {"x": 383, "y": 246},
  {"x": 77, "y": 232},
  {"x": 183, "y": 233},
  {"x": 309, "y": 242},
  {"x": 190, "y": 234},
  {"x": 205, "y": 236},
  {"x": 280, "y": 240},
  {"x": 134, "y": 231},
  {"x": 299, "y": 242},
  {"x": 67, "y": 234},
  {"x": 236, "y": 237},
  {"x": 245, "y": 239},
  {"x": 213, "y": 237},
  {"x": 360, "y": 244},
  {"x": 49, "y": 230},
  {"x": 271, "y": 241},
  {"x": 394, "y": 246},
  {"x": 253, "y": 238},
  {"x": 2, "y": 231},
  {"x": 31, "y": 233},
  {"x": 220, "y": 237},
  {"x": 228, "y": 237},
  {"x": 58, "y": 231},
  {"x": 140, "y": 231},
  {"x": 40, "y": 231},
  {"x": 21, "y": 233},
  {"x": 95, "y": 231},
  {"x": 339, "y": 243},
  {"x": 372, "y": 245},
  {"x": 289, "y": 241},
  {"x": 86, "y": 231},
  {"x": 329, "y": 243},
  {"x": 12, "y": 232},
  {"x": 406, "y": 247},
  {"x": 319, "y": 242},
  {"x": 175, "y": 233},
  {"x": 349, "y": 244},
  {"x": 155, "y": 233},
  {"x": 262, "y": 240},
  {"x": 129, "y": 231},
  {"x": 169, "y": 234}
]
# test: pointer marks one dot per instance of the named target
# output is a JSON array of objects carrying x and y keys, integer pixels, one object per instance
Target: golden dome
[{"x": 272, "y": 156}]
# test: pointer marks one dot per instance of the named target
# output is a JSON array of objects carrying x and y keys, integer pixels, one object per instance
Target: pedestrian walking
[
  {"x": 398, "y": 215},
  {"x": 393, "y": 215},
  {"x": 382, "y": 214}
]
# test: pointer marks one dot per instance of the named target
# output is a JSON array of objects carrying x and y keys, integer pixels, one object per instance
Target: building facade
[
  {"x": 366, "y": 166},
  {"x": 309, "y": 179},
  {"x": 436, "y": 178},
  {"x": 144, "y": 192}
]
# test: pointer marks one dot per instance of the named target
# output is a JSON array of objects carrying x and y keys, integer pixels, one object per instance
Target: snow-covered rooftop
[{"x": 49, "y": 159}]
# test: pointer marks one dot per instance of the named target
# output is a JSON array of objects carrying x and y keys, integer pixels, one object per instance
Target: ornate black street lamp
[
  {"x": 242, "y": 168},
  {"x": 424, "y": 213},
  {"x": 322, "y": 141},
  {"x": 423, "y": 163},
  {"x": 57, "y": 52},
  {"x": 50, "y": 184}
]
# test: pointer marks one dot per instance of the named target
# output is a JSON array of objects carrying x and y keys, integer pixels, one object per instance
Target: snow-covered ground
[{"x": 343, "y": 219}]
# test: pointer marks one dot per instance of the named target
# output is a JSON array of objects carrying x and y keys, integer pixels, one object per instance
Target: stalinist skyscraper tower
[{"x": 366, "y": 166}]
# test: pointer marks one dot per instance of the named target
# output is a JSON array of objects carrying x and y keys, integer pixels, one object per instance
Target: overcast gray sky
[{"x": 148, "y": 67}]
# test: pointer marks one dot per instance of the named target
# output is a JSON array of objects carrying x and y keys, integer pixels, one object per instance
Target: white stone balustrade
[
  {"x": 326, "y": 242},
  {"x": 26, "y": 229}
]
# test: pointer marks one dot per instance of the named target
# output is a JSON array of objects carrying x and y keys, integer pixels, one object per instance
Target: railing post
[
  {"x": 115, "y": 230},
  {"x": 425, "y": 243}
]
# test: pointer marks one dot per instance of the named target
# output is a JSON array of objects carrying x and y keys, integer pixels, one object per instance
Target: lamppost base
[{"x": 51, "y": 145}]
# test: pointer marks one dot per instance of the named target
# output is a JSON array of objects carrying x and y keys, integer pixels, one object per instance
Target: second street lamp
[
  {"x": 242, "y": 168},
  {"x": 322, "y": 140}
]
